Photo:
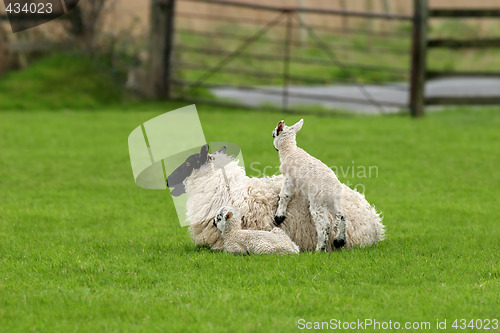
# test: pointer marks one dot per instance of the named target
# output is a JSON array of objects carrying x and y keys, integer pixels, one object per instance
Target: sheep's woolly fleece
[
  {"x": 257, "y": 199},
  {"x": 236, "y": 240}
]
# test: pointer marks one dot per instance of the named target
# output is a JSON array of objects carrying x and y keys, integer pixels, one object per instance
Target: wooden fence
[
  {"x": 162, "y": 54},
  {"x": 164, "y": 13}
]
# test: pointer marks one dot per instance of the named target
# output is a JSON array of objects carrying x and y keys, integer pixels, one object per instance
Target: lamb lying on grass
[
  {"x": 315, "y": 181},
  {"x": 236, "y": 240}
]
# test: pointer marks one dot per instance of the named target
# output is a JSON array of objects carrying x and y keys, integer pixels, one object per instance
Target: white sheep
[
  {"x": 236, "y": 240},
  {"x": 207, "y": 189},
  {"x": 315, "y": 181}
]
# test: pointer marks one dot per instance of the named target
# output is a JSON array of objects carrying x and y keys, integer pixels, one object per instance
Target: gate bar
[
  {"x": 286, "y": 60},
  {"x": 305, "y": 10}
]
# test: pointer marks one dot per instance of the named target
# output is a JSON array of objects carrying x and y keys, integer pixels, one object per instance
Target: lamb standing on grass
[
  {"x": 236, "y": 240},
  {"x": 315, "y": 181}
]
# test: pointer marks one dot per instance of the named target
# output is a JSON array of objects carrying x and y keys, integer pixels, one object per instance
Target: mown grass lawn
[{"x": 82, "y": 248}]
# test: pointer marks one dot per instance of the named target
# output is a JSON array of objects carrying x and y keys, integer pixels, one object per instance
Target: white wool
[
  {"x": 257, "y": 198},
  {"x": 237, "y": 240}
]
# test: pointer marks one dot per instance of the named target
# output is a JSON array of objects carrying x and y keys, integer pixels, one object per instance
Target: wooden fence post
[
  {"x": 160, "y": 48},
  {"x": 418, "y": 58}
]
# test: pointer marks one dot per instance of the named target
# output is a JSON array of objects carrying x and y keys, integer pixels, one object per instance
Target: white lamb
[
  {"x": 236, "y": 240},
  {"x": 315, "y": 181},
  {"x": 207, "y": 189}
]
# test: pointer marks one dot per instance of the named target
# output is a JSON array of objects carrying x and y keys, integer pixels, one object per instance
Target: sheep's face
[
  {"x": 223, "y": 217},
  {"x": 283, "y": 133}
]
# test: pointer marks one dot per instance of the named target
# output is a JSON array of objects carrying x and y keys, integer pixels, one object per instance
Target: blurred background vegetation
[{"x": 110, "y": 50}]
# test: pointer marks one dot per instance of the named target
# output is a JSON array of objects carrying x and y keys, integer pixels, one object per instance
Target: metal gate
[{"x": 289, "y": 58}]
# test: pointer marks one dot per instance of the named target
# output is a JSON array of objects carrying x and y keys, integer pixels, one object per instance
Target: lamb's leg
[
  {"x": 341, "y": 236},
  {"x": 339, "y": 219},
  {"x": 319, "y": 215},
  {"x": 284, "y": 198}
]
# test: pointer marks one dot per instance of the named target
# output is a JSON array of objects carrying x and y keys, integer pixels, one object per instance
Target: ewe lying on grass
[
  {"x": 236, "y": 240},
  {"x": 315, "y": 181},
  {"x": 207, "y": 189}
]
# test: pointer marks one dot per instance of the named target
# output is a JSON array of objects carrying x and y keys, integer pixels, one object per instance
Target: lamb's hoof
[
  {"x": 321, "y": 248},
  {"x": 278, "y": 220},
  {"x": 338, "y": 243}
]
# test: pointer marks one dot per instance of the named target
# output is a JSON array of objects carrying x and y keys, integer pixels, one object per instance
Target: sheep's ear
[
  {"x": 222, "y": 150},
  {"x": 204, "y": 153},
  {"x": 229, "y": 215},
  {"x": 297, "y": 126},
  {"x": 280, "y": 127}
]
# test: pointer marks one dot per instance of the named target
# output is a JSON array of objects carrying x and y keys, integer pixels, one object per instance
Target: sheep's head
[
  {"x": 283, "y": 133},
  {"x": 224, "y": 218},
  {"x": 176, "y": 179}
]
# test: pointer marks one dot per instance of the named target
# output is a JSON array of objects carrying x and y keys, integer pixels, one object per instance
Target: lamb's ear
[
  {"x": 298, "y": 125},
  {"x": 280, "y": 127},
  {"x": 222, "y": 150},
  {"x": 229, "y": 215},
  {"x": 204, "y": 153}
]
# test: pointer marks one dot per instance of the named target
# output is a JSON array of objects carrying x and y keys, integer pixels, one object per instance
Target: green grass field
[{"x": 82, "y": 248}]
